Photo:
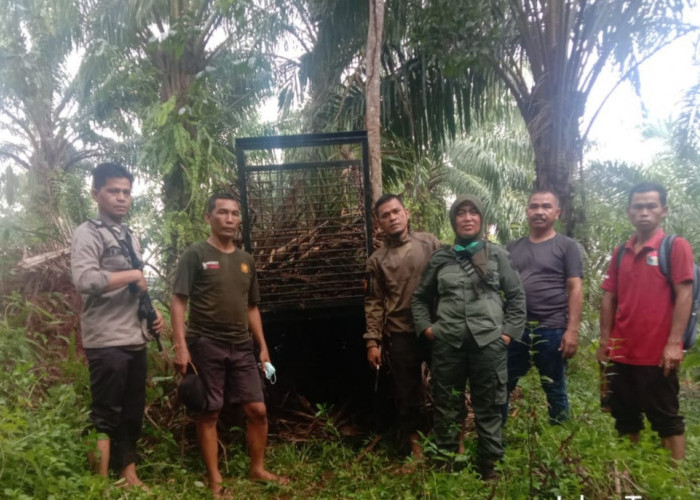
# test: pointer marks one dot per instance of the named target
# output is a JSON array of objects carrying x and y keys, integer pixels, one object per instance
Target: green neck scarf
[{"x": 468, "y": 247}]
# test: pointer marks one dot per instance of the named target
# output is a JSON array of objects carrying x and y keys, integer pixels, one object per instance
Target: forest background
[{"x": 490, "y": 97}]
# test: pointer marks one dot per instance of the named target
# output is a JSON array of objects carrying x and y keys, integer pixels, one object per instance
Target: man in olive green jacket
[
  {"x": 478, "y": 302},
  {"x": 393, "y": 272}
]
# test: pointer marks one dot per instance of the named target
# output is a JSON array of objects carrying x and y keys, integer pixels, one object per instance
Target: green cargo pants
[{"x": 486, "y": 368}]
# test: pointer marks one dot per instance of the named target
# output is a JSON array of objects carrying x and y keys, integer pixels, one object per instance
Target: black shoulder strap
[
  {"x": 618, "y": 256},
  {"x": 99, "y": 224},
  {"x": 665, "y": 256},
  {"x": 618, "y": 261},
  {"x": 466, "y": 264},
  {"x": 126, "y": 245},
  {"x": 665, "y": 261}
]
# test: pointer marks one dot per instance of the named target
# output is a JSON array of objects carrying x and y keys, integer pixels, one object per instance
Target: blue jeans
[{"x": 541, "y": 347}]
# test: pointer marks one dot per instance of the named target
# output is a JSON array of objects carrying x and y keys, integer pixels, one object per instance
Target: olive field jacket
[{"x": 466, "y": 304}]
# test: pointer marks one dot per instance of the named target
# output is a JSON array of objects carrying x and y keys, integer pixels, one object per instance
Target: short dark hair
[
  {"x": 109, "y": 170},
  {"x": 385, "y": 198},
  {"x": 544, "y": 191},
  {"x": 211, "y": 202},
  {"x": 646, "y": 187}
]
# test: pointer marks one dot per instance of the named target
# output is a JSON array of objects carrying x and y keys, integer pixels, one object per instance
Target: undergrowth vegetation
[{"x": 44, "y": 397}]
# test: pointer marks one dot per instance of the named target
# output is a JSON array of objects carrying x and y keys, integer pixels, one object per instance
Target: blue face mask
[{"x": 270, "y": 372}]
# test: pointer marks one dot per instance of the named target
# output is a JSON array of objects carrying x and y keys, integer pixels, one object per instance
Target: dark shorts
[
  {"x": 229, "y": 371},
  {"x": 637, "y": 390}
]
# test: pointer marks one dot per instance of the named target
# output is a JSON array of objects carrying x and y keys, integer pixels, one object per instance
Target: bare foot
[
  {"x": 220, "y": 492},
  {"x": 416, "y": 448},
  {"x": 131, "y": 479},
  {"x": 408, "y": 467},
  {"x": 123, "y": 483},
  {"x": 265, "y": 475}
]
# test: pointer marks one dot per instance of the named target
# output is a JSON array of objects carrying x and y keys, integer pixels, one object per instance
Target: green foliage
[
  {"x": 419, "y": 180},
  {"x": 494, "y": 162},
  {"x": 431, "y": 88},
  {"x": 585, "y": 456},
  {"x": 42, "y": 452},
  {"x": 40, "y": 425}
]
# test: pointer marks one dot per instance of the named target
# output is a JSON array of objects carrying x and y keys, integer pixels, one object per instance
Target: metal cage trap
[{"x": 305, "y": 202}]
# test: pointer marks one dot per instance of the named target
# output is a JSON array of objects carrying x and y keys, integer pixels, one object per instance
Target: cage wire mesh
[{"x": 308, "y": 231}]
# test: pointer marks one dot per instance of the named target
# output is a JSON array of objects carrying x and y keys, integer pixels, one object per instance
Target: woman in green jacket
[{"x": 470, "y": 304}]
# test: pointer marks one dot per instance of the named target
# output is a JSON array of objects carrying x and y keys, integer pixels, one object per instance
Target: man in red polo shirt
[{"x": 642, "y": 322}]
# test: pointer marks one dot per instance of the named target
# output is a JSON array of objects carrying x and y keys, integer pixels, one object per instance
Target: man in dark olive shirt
[{"x": 219, "y": 282}]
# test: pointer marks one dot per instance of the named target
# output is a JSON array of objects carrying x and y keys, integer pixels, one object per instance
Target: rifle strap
[
  {"x": 469, "y": 267},
  {"x": 126, "y": 244}
]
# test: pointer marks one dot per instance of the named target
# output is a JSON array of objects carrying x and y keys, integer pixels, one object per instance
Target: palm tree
[
  {"x": 494, "y": 162},
  {"x": 188, "y": 74},
  {"x": 47, "y": 131},
  {"x": 443, "y": 60},
  {"x": 550, "y": 54},
  {"x": 424, "y": 101}
]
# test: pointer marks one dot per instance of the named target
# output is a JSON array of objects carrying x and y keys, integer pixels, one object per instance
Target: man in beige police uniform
[
  {"x": 112, "y": 333},
  {"x": 393, "y": 272}
]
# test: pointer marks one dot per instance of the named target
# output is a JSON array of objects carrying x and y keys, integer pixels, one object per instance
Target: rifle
[{"x": 145, "y": 310}]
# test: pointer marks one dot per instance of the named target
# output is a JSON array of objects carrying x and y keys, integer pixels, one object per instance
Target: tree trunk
[
  {"x": 372, "y": 95},
  {"x": 555, "y": 137}
]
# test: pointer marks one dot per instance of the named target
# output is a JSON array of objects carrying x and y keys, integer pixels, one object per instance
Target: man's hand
[
  {"x": 428, "y": 332},
  {"x": 506, "y": 338},
  {"x": 264, "y": 356},
  {"x": 671, "y": 358},
  {"x": 602, "y": 353},
  {"x": 158, "y": 324},
  {"x": 141, "y": 283},
  {"x": 182, "y": 358},
  {"x": 374, "y": 356},
  {"x": 569, "y": 343}
]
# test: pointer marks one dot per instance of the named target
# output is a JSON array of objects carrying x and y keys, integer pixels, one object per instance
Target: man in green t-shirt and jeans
[{"x": 219, "y": 282}]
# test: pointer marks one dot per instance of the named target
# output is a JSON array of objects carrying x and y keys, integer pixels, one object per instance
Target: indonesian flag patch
[{"x": 210, "y": 264}]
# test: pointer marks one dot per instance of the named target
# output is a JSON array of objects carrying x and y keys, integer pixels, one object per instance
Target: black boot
[{"x": 487, "y": 471}]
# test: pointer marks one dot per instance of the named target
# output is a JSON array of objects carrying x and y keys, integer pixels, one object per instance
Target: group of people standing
[
  {"x": 480, "y": 313},
  {"x": 473, "y": 310}
]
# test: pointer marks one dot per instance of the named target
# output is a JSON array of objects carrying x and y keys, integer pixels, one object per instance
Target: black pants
[
  {"x": 405, "y": 355},
  {"x": 118, "y": 388}
]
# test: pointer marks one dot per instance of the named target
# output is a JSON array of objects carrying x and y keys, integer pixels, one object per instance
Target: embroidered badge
[
  {"x": 210, "y": 264},
  {"x": 112, "y": 251},
  {"x": 244, "y": 268},
  {"x": 653, "y": 259}
]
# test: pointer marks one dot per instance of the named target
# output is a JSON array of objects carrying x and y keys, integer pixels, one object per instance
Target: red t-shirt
[{"x": 644, "y": 301}]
